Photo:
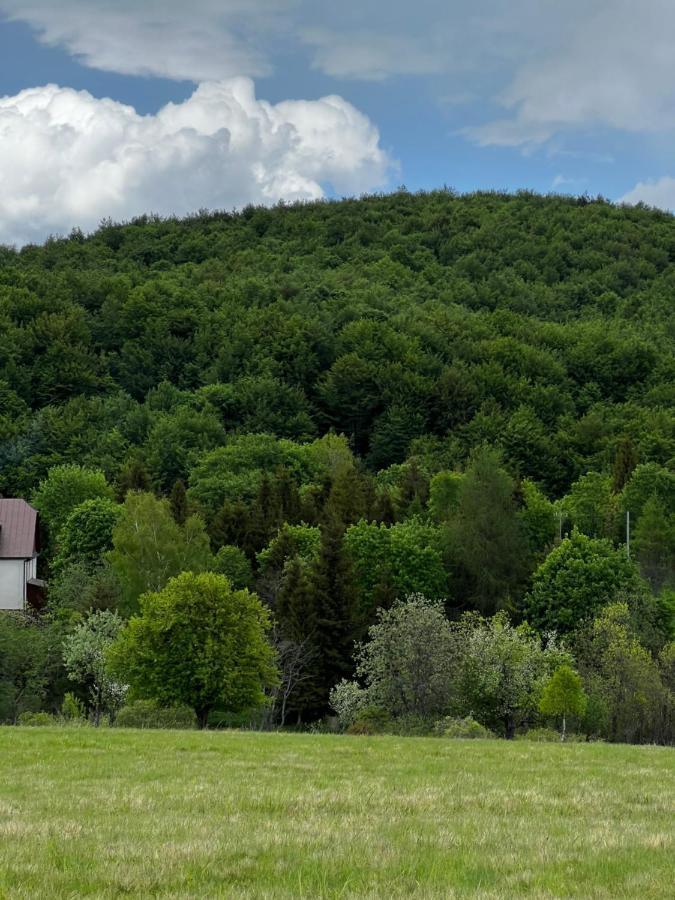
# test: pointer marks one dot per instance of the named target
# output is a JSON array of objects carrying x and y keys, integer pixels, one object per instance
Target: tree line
[{"x": 329, "y": 410}]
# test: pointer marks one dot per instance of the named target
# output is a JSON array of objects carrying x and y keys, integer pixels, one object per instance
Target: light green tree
[
  {"x": 198, "y": 642},
  {"x": 563, "y": 696},
  {"x": 591, "y": 506},
  {"x": 87, "y": 532},
  {"x": 626, "y": 678},
  {"x": 64, "y": 488},
  {"x": 149, "y": 547},
  {"x": 576, "y": 579},
  {"x": 407, "y": 554},
  {"x": 233, "y": 562}
]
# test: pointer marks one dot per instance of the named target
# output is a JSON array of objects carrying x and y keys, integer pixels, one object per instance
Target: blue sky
[{"x": 116, "y": 107}]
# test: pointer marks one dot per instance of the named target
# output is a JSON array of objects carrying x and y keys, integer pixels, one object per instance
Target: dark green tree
[
  {"x": 179, "y": 501},
  {"x": 625, "y": 461},
  {"x": 488, "y": 546},
  {"x": 336, "y": 605},
  {"x": 579, "y": 577}
]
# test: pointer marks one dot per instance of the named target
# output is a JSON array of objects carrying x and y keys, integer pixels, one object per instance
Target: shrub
[
  {"x": 371, "y": 720},
  {"x": 253, "y": 719},
  {"x": 72, "y": 708},
  {"x": 466, "y": 727},
  {"x": 148, "y": 714},
  {"x": 36, "y": 719},
  {"x": 412, "y": 726},
  {"x": 348, "y": 700}
]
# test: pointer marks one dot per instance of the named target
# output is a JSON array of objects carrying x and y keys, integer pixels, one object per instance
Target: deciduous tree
[
  {"x": 563, "y": 696},
  {"x": 198, "y": 642}
]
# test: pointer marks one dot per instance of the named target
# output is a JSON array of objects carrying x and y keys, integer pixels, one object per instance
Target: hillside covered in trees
[{"x": 343, "y": 404}]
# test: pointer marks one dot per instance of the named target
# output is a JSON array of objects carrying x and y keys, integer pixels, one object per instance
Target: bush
[
  {"x": 348, "y": 700},
  {"x": 147, "y": 714},
  {"x": 72, "y": 708},
  {"x": 36, "y": 719},
  {"x": 371, "y": 720},
  {"x": 466, "y": 727},
  {"x": 412, "y": 726}
]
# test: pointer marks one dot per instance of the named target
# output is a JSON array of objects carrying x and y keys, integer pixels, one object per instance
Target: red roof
[{"x": 18, "y": 527}]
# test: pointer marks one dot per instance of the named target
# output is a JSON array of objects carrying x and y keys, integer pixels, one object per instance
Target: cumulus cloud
[
  {"x": 550, "y": 66},
  {"x": 68, "y": 158},
  {"x": 654, "y": 192}
]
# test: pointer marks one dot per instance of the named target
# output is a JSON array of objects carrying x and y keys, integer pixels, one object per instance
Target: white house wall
[{"x": 12, "y": 583}]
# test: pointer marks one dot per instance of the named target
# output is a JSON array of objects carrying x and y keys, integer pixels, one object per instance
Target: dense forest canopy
[
  {"x": 343, "y": 404},
  {"x": 411, "y": 323}
]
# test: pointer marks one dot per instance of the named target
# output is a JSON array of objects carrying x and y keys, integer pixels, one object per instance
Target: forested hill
[
  {"x": 402, "y": 418},
  {"x": 414, "y": 324}
]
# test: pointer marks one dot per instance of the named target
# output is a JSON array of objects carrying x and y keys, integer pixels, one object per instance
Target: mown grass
[{"x": 114, "y": 813}]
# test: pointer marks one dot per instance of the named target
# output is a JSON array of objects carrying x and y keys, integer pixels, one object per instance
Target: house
[{"x": 19, "y": 545}]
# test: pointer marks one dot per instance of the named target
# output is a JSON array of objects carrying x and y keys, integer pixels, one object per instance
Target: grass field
[{"x": 115, "y": 813}]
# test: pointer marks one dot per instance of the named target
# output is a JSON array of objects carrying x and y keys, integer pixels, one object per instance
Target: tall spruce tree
[
  {"x": 264, "y": 519},
  {"x": 336, "y": 602},
  {"x": 297, "y": 621},
  {"x": 349, "y": 496},
  {"x": 178, "y": 501},
  {"x": 287, "y": 496},
  {"x": 488, "y": 543}
]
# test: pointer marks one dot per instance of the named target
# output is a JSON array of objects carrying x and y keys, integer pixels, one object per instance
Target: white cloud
[
  {"x": 67, "y": 158},
  {"x": 547, "y": 67},
  {"x": 535, "y": 71},
  {"x": 612, "y": 66},
  {"x": 199, "y": 41},
  {"x": 654, "y": 192}
]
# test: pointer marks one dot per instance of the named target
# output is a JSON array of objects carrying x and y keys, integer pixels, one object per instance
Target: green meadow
[{"x": 122, "y": 813}]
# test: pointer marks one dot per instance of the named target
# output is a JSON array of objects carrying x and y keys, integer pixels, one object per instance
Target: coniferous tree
[
  {"x": 296, "y": 608},
  {"x": 654, "y": 543},
  {"x": 385, "y": 593},
  {"x": 296, "y": 615},
  {"x": 336, "y": 604},
  {"x": 414, "y": 490},
  {"x": 487, "y": 540},
  {"x": 264, "y": 518},
  {"x": 384, "y": 510},
  {"x": 287, "y": 497},
  {"x": 348, "y": 499},
  {"x": 229, "y": 525},
  {"x": 133, "y": 477},
  {"x": 178, "y": 501}
]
